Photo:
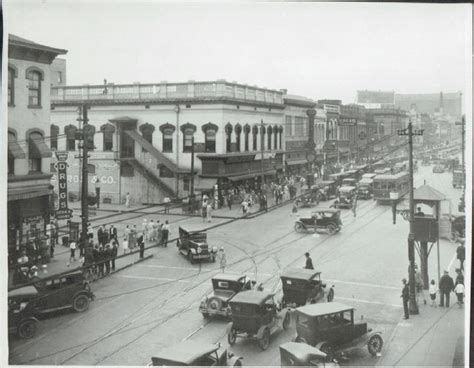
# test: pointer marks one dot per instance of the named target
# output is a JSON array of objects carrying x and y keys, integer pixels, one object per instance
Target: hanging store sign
[{"x": 63, "y": 212}]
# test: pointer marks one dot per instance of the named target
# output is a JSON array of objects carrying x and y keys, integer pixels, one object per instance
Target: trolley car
[{"x": 386, "y": 184}]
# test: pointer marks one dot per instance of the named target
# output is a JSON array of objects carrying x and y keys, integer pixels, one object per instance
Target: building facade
[
  {"x": 29, "y": 154},
  {"x": 431, "y": 103},
  {"x": 145, "y": 135}
]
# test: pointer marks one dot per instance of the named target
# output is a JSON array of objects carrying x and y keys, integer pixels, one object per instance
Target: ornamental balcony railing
[{"x": 164, "y": 90}]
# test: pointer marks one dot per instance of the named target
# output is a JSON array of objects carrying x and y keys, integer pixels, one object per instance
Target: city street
[{"x": 154, "y": 304}]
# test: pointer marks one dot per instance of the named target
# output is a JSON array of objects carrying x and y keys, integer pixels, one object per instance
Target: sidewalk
[{"x": 433, "y": 338}]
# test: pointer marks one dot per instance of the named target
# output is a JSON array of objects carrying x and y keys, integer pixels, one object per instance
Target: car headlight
[{"x": 199, "y": 249}]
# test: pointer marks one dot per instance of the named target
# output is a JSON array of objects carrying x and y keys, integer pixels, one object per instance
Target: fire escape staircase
[{"x": 148, "y": 175}]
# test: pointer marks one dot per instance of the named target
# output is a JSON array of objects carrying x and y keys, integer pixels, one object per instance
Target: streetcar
[{"x": 386, "y": 184}]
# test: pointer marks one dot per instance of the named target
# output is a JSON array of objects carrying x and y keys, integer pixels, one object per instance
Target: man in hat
[
  {"x": 461, "y": 255},
  {"x": 446, "y": 285},
  {"x": 405, "y": 297},
  {"x": 309, "y": 262}
]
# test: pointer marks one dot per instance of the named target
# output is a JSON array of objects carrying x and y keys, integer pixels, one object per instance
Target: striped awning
[
  {"x": 38, "y": 147},
  {"x": 27, "y": 193},
  {"x": 14, "y": 148}
]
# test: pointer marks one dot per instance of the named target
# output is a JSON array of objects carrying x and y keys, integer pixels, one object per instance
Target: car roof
[
  {"x": 187, "y": 351},
  {"x": 192, "y": 228},
  {"x": 366, "y": 181},
  {"x": 300, "y": 273},
  {"x": 228, "y": 276},
  {"x": 321, "y": 309},
  {"x": 326, "y": 182},
  {"x": 369, "y": 175},
  {"x": 346, "y": 189},
  {"x": 251, "y": 297},
  {"x": 330, "y": 210},
  {"x": 301, "y": 351},
  {"x": 23, "y": 291}
]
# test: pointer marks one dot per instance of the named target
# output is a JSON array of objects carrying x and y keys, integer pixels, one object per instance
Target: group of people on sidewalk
[{"x": 446, "y": 286}]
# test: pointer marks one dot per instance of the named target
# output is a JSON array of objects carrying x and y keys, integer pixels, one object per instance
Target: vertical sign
[{"x": 63, "y": 212}]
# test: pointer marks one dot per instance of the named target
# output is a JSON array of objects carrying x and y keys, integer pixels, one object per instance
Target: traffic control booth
[{"x": 426, "y": 226}]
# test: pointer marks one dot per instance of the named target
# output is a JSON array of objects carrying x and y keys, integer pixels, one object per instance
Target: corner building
[{"x": 143, "y": 137}]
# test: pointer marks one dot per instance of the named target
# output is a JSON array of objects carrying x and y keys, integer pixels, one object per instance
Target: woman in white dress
[{"x": 125, "y": 244}]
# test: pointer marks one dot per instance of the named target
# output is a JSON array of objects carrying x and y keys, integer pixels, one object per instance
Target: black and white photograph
[{"x": 236, "y": 183}]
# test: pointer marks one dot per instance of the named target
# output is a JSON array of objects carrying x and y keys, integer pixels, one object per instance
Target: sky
[{"x": 317, "y": 50}]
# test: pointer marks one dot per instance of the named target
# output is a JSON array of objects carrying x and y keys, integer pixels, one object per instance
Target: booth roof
[{"x": 427, "y": 193}]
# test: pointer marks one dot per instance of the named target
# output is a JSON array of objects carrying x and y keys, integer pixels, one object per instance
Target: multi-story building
[
  {"x": 431, "y": 103},
  {"x": 332, "y": 145},
  {"x": 375, "y": 99},
  {"x": 143, "y": 136},
  {"x": 383, "y": 125},
  {"x": 29, "y": 178},
  {"x": 296, "y": 132}
]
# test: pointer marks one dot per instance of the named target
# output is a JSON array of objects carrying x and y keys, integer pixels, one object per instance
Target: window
[
  {"x": 52, "y": 167},
  {"x": 126, "y": 170},
  {"x": 147, "y": 132},
  {"x": 89, "y": 132},
  {"x": 228, "y": 140},
  {"x": 210, "y": 140},
  {"x": 11, "y": 87},
  {"x": 70, "y": 131},
  {"x": 262, "y": 137},
  {"x": 54, "y": 131},
  {"x": 246, "y": 137},
  {"x": 167, "y": 131},
  {"x": 281, "y": 133},
  {"x": 34, "y": 89},
  {"x": 165, "y": 172},
  {"x": 269, "y": 138},
  {"x": 34, "y": 157},
  {"x": 275, "y": 137},
  {"x": 288, "y": 126},
  {"x": 60, "y": 77},
  {"x": 254, "y": 137},
  {"x": 188, "y": 140},
  {"x": 299, "y": 126},
  {"x": 238, "y": 131},
  {"x": 108, "y": 131},
  {"x": 90, "y": 169},
  {"x": 186, "y": 183},
  {"x": 11, "y": 165}
]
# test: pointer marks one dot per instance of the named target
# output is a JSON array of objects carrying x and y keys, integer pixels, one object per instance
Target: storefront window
[
  {"x": 238, "y": 131},
  {"x": 228, "y": 132},
  {"x": 210, "y": 140}
]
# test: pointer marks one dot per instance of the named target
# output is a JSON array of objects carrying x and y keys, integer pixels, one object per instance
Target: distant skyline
[{"x": 318, "y": 50}]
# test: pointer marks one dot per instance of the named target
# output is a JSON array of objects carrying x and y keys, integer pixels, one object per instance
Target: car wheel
[
  {"x": 190, "y": 257},
  {"x": 286, "y": 321},
  {"x": 27, "y": 329},
  {"x": 238, "y": 363},
  {"x": 232, "y": 337},
  {"x": 264, "y": 341},
  {"x": 299, "y": 227},
  {"x": 375, "y": 345},
  {"x": 327, "y": 349},
  {"x": 331, "y": 229},
  {"x": 80, "y": 303}
]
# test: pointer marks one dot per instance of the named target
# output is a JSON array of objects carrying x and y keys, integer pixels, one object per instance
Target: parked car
[
  {"x": 192, "y": 243},
  {"x": 364, "y": 189},
  {"x": 331, "y": 328},
  {"x": 438, "y": 169},
  {"x": 21, "y": 316},
  {"x": 327, "y": 189},
  {"x": 301, "y": 286},
  {"x": 195, "y": 353},
  {"x": 225, "y": 287},
  {"x": 346, "y": 195},
  {"x": 324, "y": 219},
  {"x": 28, "y": 303},
  {"x": 255, "y": 315},
  {"x": 296, "y": 354}
]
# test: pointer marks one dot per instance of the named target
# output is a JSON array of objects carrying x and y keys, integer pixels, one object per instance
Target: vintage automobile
[
  {"x": 197, "y": 354},
  {"x": 301, "y": 286},
  {"x": 327, "y": 219},
  {"x": 327, "y": 189},
  {"x": 365, "y": 186},
  {"x": 192, "y": 243},
  {"x": 349, "y": 182},
  {"x": 438, "y": 169},
  {"x": 56, "y": 293},
  {"x": 21, "y": 319},
  {"x": 331, "y": 328},
  {"x": 225, "y": 287},
  {"x": 297, "y": 354},
  {"x": 255, "y": 315},
  {"x": 346, "y": 195},
  {"x": 309, "y": 199}
]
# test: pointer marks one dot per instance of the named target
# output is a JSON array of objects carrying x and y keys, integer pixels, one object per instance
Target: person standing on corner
[
  {"x": 461, "y": 255},
  {"x": 330, "y": 296},
  {"x": 309, "y": 262},
  {"x": 405, "y": 297},
  {"x": 209, "y": 212},
  {"x": 114, "y": 253},
  {"x": 165, "y": 231},
  {"x": 446, "y": 285},
  {"x": 141, "y": 245},
  {"x": 127, "y": 200},
  {"x": 222, "y": 259}
]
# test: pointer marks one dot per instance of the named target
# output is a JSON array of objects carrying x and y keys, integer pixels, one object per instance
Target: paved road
[{"x": 154, "y": 304}]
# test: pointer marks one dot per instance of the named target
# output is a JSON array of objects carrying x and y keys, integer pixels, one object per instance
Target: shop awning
[
  {"x": 296, "y": 162},
  {"x": 27, "y": 193},
  {"x": 14, "y": 148},
  {"x": 251, "y": 175},
  {"x": 38, "y": 147}
]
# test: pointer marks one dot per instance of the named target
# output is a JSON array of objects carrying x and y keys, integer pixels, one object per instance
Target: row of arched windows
[
  {"x": 37, "y": 149},
  {"x": 271, "y": 136}
]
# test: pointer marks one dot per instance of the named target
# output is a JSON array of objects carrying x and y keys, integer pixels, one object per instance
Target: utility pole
[
  {"x": 413, "y": 307},
  {"x": 191, "y": 192},
  {"x": 462, "y": 123},
  {"x": 262, "y": 143},
  {"x": 85, "y": 178}
]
